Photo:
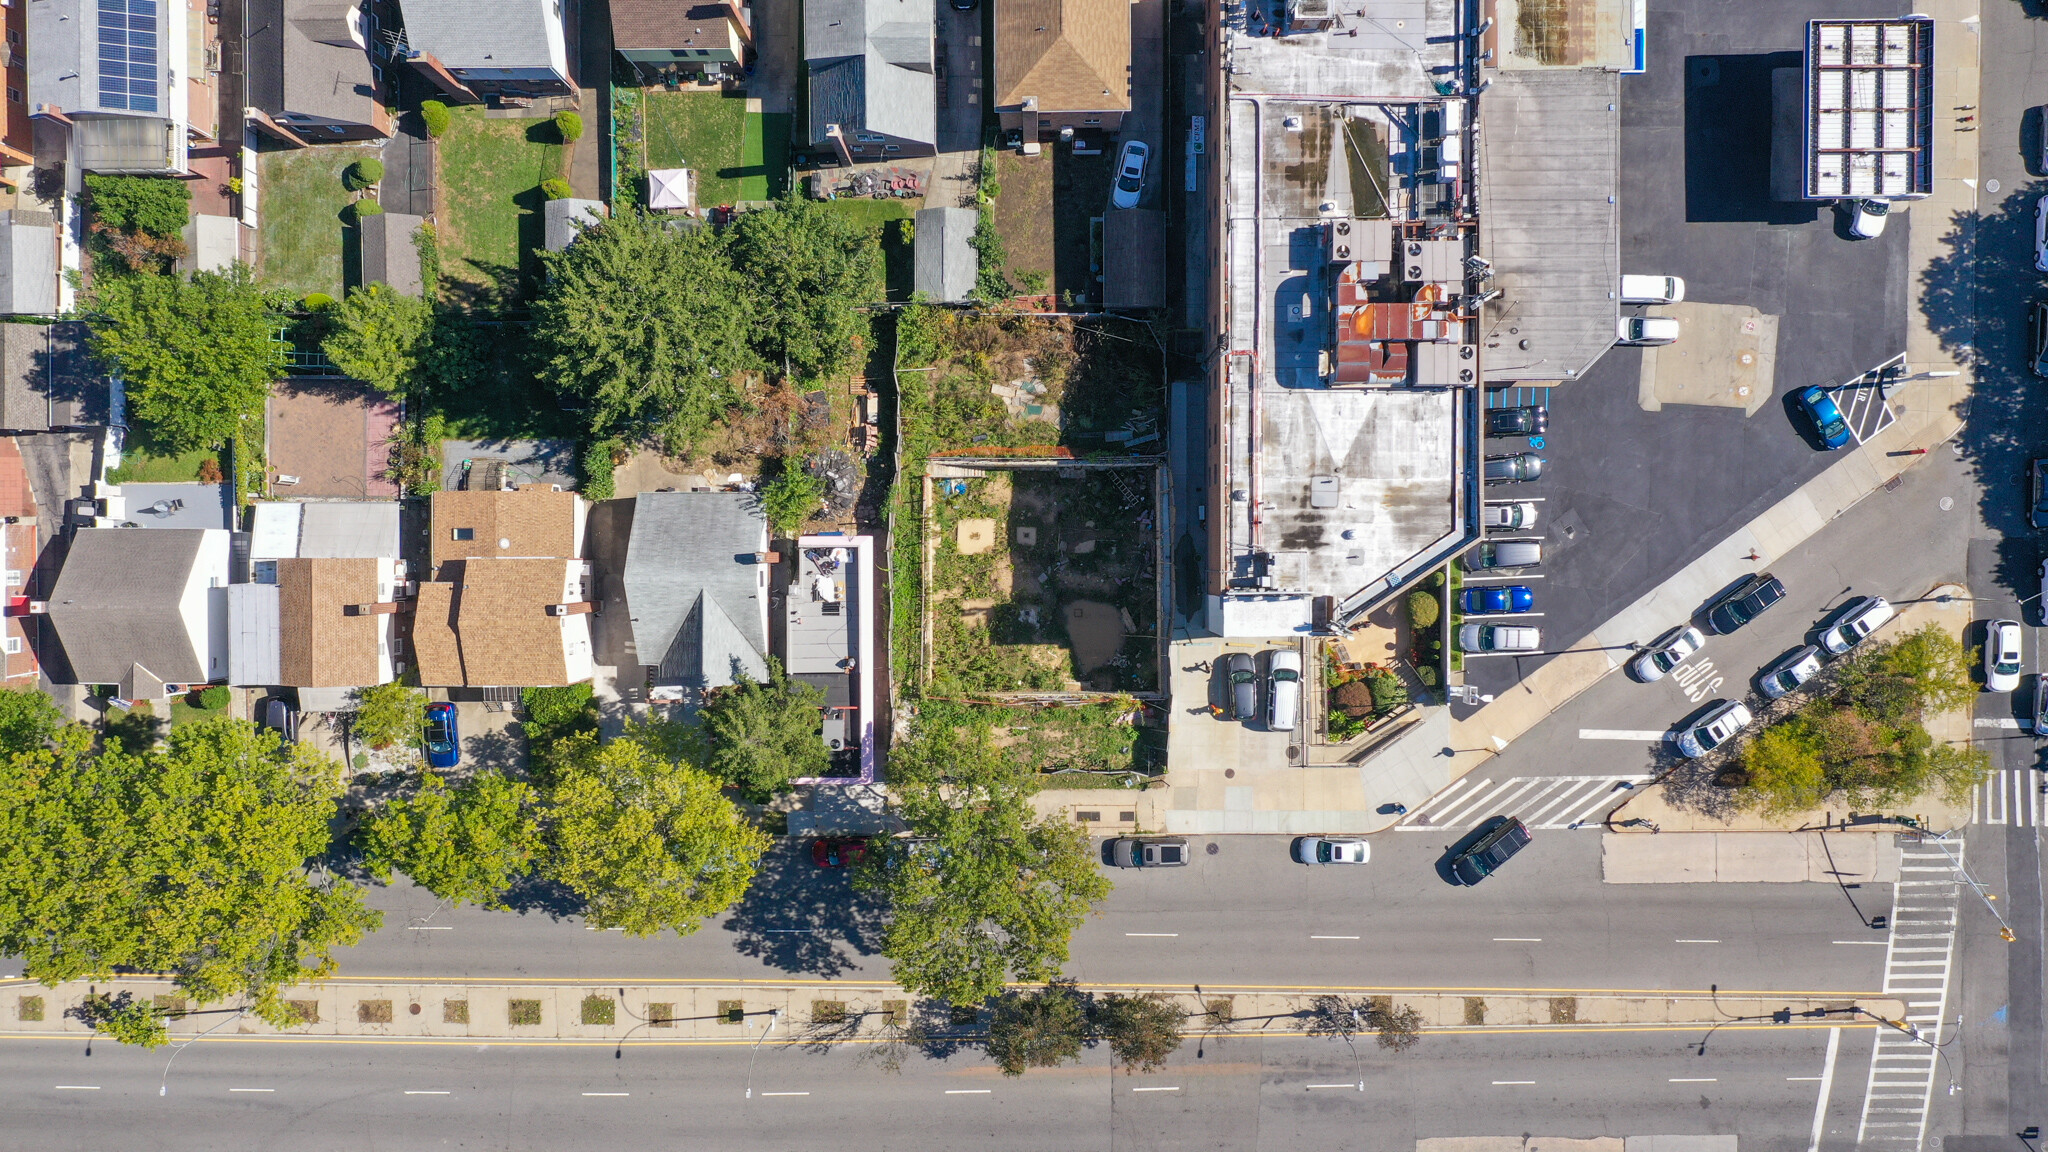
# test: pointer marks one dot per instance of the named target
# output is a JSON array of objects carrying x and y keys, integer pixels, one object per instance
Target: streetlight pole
[
  {"x": 163, "y": 1083},
  {"x": 774, "y": 1014}
]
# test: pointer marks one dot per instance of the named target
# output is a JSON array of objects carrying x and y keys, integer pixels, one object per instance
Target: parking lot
[{"x": 1629, "y": 496}]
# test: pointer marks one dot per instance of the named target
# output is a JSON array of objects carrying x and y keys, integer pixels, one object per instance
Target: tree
[
  {"x": 646, "y": 325},
  {"x": 810, "y": 270},
  {"x": 1399, "y": 1027},
  {"x": 388, "y": 715},
  {"x": 1142, "y": 1030},
  {"x": 987, "y": 892},
  {"x": 28, "y": 719},
  {"x": 157, "y": 205},
  {"x": 1423, "y": 608},
  {"x": 1785, "y": 771},
  {"x": 362, "y": 173},
  {"x": 556, "y": 188},
  {"x": 791, "y": 497},
  {"x": 1934, "y": 661},
  {"x": 466, "y": 845},
  {"x": 763, "y": 734},
  {"x": 648, "y": 843},
  {"x": 1041, "y": 1029},
  {"x": 198, "y": 355},
  {"x": 379, "y": 336},
  {"x": 123, "y": 1017},
  {"x": 570, "y": 125},
  {"x": 190, "y": 859}
]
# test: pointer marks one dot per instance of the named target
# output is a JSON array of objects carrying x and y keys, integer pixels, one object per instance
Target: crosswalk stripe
[
  {"x": 2009, "y": 796},
  {"x": 1546, "y": 802},
  {"x": 1900, "y": 1062}
]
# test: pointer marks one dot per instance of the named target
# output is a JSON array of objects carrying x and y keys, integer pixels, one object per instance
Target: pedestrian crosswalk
[
  {"x": 1540, "y": 801},
  {"x": 1906, "y": 1060},
  {"x": 2010, "y": 796}
]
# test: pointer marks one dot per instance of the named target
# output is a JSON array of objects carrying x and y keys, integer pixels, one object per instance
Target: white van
[
  {"x": 1652, "y": 290},
  {"x": 1283, "y": 689}
]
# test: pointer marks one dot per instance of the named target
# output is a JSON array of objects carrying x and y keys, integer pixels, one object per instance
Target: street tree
[
  {"x": 380, "y": 337},
  {"x": 28, "y": 719},
  {"x": 198, "y": 356},
  {"x": 390, "y": 715},
  {"x": 649, "y": 843},
  {"x": 810, "y": 270},
  {"x": 466, "y": 844},
  {"x": 1039, "y": 1029},
  {"x": 1785, "y": 772},
  {"x": 124, "y": 1017},
  {"x": 1142, "y": 1031},
  {"x": 763, "y": 734},
  {"x": 189, "y": 858}
]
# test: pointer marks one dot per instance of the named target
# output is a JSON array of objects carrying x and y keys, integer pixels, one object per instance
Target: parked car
[
  {"x": 1149, "y": 851},
  {"x": 1322, "y": 850},
  {"x": 1499, "y": 598},
  {"x": 1861, "y": 617},
  {"x": 1499, "y": 638},
  {"x": 278, "y": 715},
  {"x": 1787, "y": 674},
  {"x": 1640, "y": 331},
  {"x": 1668, "y": 653},
  {"x": 1713, "y": 730},
  {"x": 1745, "y": 603},
  {"x": 1531, "y": 420},
  {"x": 1828, "y": 423},
  {"x": 1130, "y": 174},
  {"x": 1504, "y": 838},
  {"x": 2041, "y": 597},
  {"x": 2037, "y": 485},
  {"x": 838, "y": 852},
  {"x": 2041, "y": 234},
  {"x": 1652, "y": 290},
  {"x": 1866, "y": 218},
  {"x": 1244, "y": 685},
  {"x": 444, "y": 742},
  {"x": 1500, "y": 555},
  {"x": 2002, "y": 656},
  {"x": 1515, "y": 514},
  {"x": 1513, "y": 469},
  {"x": 2037, "y": 337},
  {"x": 1283, "y": 689}
]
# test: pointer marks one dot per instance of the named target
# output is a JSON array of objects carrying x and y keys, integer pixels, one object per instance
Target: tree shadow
[
  {"x": 135, "y": 729},
  {"x": 502, "y": 751},
  {"x": 536, "y": 893},
  {"x": 800, "y": 918}
]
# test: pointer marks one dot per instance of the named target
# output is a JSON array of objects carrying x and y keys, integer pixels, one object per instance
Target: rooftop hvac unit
[
  {"x": 1354, "y": 240},
  {"x": 1305, "y": 11}
]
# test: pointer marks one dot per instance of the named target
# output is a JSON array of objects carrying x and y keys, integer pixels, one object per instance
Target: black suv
[
  {"x": 1745, "y": 603},
  {"x": 1530, "y": 421},
  {"x": 1499, "y": 845}
]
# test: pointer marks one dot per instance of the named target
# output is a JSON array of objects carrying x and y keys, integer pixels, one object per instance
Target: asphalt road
[{"x": 1231, "y": 1092}]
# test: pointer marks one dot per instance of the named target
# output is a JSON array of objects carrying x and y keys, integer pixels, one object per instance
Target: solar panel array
[{"x": 130, "y": 62}]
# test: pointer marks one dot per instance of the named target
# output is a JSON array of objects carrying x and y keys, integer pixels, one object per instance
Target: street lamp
[
  {"x": 163, "y": 1083},
  {"x": 774, "y": 1014}
]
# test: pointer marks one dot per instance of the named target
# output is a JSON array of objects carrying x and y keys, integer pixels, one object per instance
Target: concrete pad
[
  {"x": 1678, "y": 1144},
  {"x": 1520, "y": 1144},
  {"x": 975, "y": 536},
  {"x": 1749, "y": 858},
  {"x": 1726, "y": 358},
  {"x": 1650, "y": 859}
]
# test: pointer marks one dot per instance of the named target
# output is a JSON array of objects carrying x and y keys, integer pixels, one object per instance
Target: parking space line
[
  {"x": 1165, "y": 934},
  {"x": 1176, "y": 1089},
  {"x": 968, "y": 1091},
  {"x": 425, "y": 1092},
  {"x": 78, "y": 1087},
  {"x": 1693, "y": 1080},
  {"x": 764, "y": 1093},
  {"x": 1333, "y": 937},
  {"x": 1633, "y": 735},
  {"x": 1518, "y": 939},
  {"x": 628, "y": 1093},
  {"x": 252, "y": 1089},
  {"x": 1695, "y": 941},
  {"x": 1352, "y": 1086}
]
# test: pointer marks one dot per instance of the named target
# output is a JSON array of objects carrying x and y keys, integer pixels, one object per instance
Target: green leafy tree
[
  {"x": 1785, "y": 771},
  {"x": 379, "y": 336},
  {"x": 124, "y": 1017},
  {"x": 763, "y": 734},
  {"x": 1142, "y": 1031},
  {"x": 648, "y": 843},
  {"x": 389, "y": 715},
  {"x": 357, "y": 209},
  {"x": 198, "y": 355},
  {"x": 157, "y": 205},
  {"x": 466, "y": 844},
  {"x": 190, "y": 858},
  {"x": 569, "y": 125},
  {"x": 28, "y": 719},
  {"x": 810, "y": 270},
  {"x": 986, "y": 892},
  {"x": 1041, "y": 1029},
  {"x": 1934, "y": 661},
  {"x": 789, "y": 499},
  {"x": 646, "y": 325},
  {"x": 362, "y": 173}
]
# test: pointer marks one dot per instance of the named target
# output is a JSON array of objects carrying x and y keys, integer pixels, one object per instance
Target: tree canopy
[
  {"x": 28, "y": 719},
  {"x": 198, "y": 355},
  {"x": 762, "y": 734},
  {"x": 809, "y": 268},
  {"x": 390, "y": 714},
  {"x": 190, "y": 858},
  {"x": 380, "y": 337},
  {"x": 466, "y": 844}
]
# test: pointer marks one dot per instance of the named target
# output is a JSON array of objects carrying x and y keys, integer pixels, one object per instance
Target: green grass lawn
[
  {"x": 490, "y": 174},
  {"x": 737, "y": 155},
  {"x": 300, "y": 198},
  {"x": 183, "y": 712},
  {"x": 873, "y": 212},
  {"x": 138, "y": 467}
]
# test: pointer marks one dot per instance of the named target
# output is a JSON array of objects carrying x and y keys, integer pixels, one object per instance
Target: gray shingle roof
[
  {"x": 28, "y": 263},
  {"x": 467, "y": 34},
  {"x": 945, "y": 263},
  {"x": 695, "y": 596},
  {"x": 871, "y": 67},
  {"x": 116, "y": 604}
]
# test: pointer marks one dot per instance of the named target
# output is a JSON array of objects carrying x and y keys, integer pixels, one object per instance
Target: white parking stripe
[{"x": 1632, "y": 735}]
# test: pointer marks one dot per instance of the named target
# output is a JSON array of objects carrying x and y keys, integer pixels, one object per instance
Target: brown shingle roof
[
  {"x": 436, "y": 655},
  {"x": 486, "y": 625},
  {"x": 641, "y": 25},
  {"x": 1072, "y": 55},
  {"x": 527, "y": 523},
  {"x": 320, "y": 647}
]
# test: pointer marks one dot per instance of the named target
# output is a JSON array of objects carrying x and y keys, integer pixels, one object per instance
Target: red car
[{"x": 837, "y": 853}]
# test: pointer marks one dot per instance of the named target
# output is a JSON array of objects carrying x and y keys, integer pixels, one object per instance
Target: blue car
[
  {"x": 1498, "y": 599},
  {"x": 1826, "y": 416},
  {"x": 444, "y": 743}
]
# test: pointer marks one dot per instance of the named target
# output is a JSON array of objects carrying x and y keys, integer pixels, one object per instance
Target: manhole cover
[
  {"x": 1947, "y": 502},
  {"x": 1212, "y": 849},
  {"x": 1745, "y": 359},
  {"x": 1293, "y": 750},
  {"x": 1991, "y": 185}
]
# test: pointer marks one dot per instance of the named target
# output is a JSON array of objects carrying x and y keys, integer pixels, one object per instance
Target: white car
[
  {"x": 1789, "y": 673},
  {"x": 1514, "y": 515},
  {"x": 1323, "y": 850},
  {"x": 2041, "y": 234},
  {"x": 1130, "y": 174},
  {"x": 1714, "y": 729},
  {"x": 1634, "y": 331},
  {"x": 1283, "y": 689},
  {"x": 1866, "y": 218},
  {"x": 1499, "y": 638},
  {"x": 1866, "y": 614},
  {"x": 1667, "y": 654},
  {"x": 2002, "y": 656},
  {"x": 1652, "y": 290}
]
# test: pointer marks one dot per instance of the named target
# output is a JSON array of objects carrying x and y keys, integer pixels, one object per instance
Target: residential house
[
  {"x": 113, "y": 74},
  {"x": 1063, "y": 64},
  {"x": 18, "y": 132},
  {"x": 17, "y": 645},
  {"x": 311, "y": 76},
  {"x": 507, "y": 606},
  {"x": 872, "y": 93},
  {"x": 665, "y": 39},
  {"x": 145, "y": 611},
  {"x": 474, "y": 51},
  {"x": 321, "y": 610},
  {"x": 696, "y": 584}
]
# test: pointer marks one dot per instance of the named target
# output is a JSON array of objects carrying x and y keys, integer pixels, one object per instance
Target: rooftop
[
  {"x": 324, "y": 529},
  {"x": 530, "y": 522},
  {"x": 485, "y": 623},
  {"x": 320, "y": 644},
  {"x": 696, "y": 592},
  {"x": 1067, "y": 55},
  {"x": 1382, "y": 50},
  {"x": 504, "y": 34}
]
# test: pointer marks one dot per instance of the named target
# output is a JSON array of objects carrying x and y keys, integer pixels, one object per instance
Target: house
[
  {"x": 17, "y": 652},
  {"x": 28, "y": 263},
  {"x": 390, "y": 251},
  {"x": 665, "y": 39},
  {"x": 1063, "y": 64},
  {"x": 872, "y": 93},
  {"x": 144, "y": 611},
  {"x": 944, "y": 264},
  {"x": 506, "y": 49},
  {"x": 28, "y": 401},
  {"x": 109, "y": 74},
  {"x": 18, "y": 131},
  {"x": 321, "y": 610},
  {"x": 311, "y": 77},
  {"x": 507, "y": 606},
  {"x": 696, "y": 585},
  {"x": 829, "y": 637}
]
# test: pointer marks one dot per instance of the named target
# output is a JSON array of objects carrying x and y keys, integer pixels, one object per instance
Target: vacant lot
[
  {"x": 490, "y": 204},
  {"x": 737, "y": 154},
  {"x": 304, "y": 241},
  {"x": 1045, "y": 212}
]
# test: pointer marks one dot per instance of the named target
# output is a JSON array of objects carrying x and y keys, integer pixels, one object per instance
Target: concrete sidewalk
[{"x": 1749, "y": 858}]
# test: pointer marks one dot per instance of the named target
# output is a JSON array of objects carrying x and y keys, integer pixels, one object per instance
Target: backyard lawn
[
  {"x": 490, "y": 203},
  {"x": 737, "y": 154},
  {"x": 300, "y": 198},
  {"x": 139, "y": 467}
]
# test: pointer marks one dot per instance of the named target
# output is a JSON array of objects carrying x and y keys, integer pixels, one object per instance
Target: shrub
[
  {"x": 209, "y": 471},
  {"x": 152, "y": 204},
  {"x": 570, "y": 125},
  {"x": 214, "y": 697},
  {"x": 1427, "y": 674},
  {"x": 362, "y": 173},
  {"x": 316, "y": 301},
  {"x": 791, "y": 498},
  {"x": 1353, "y": 699},
  {"x": 556, "y": 189},
  {"x": 1423, "y": 608},
  {"x": 434, "y": 115},
  {"x": 597, "y": 464},
  {"x": 362, "y": 208},
  {"x": 1388, "y": 693}
]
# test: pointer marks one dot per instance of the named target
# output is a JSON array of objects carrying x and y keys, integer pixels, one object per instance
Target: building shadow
[{"x": 1728, "y": 140}]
